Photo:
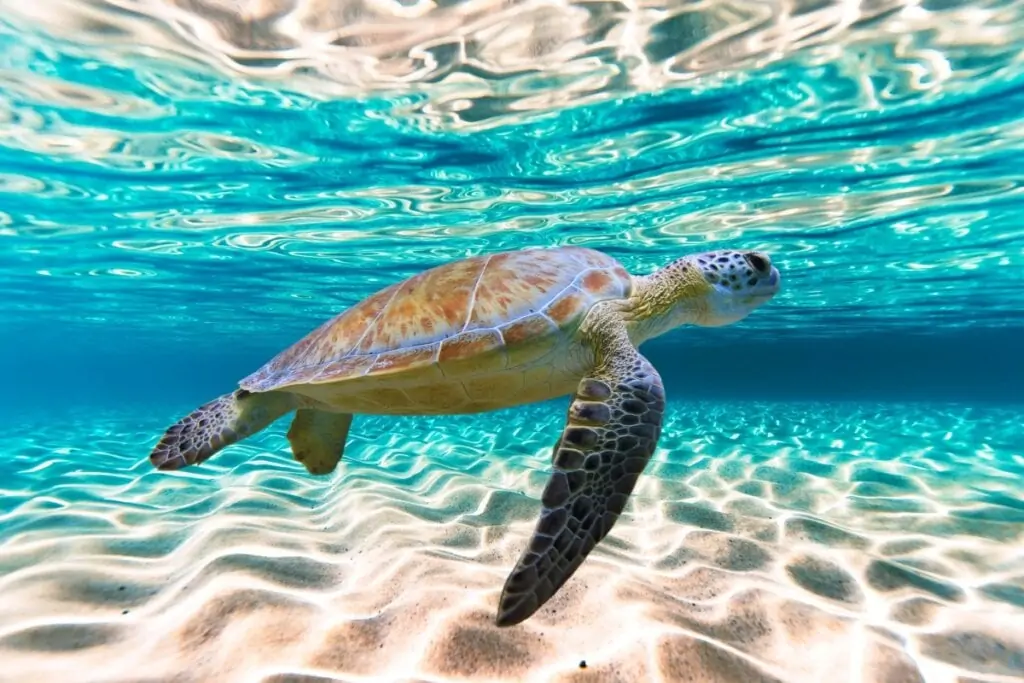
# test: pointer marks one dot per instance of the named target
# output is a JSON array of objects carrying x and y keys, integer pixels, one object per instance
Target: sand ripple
[{"x": 768, "y": 542}]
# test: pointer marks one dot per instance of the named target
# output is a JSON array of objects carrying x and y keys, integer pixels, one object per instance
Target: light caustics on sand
[
  {"x": 206, "y": 166},
  {"x": 766, "y": 542}
]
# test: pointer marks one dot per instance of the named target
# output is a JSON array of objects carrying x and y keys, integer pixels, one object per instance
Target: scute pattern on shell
[{"x": 455, "y": 311}]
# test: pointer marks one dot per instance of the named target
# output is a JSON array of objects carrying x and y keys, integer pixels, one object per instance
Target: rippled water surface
[
  {"x": 188, "y": 186},
  {"x": 191, "y": 159}
]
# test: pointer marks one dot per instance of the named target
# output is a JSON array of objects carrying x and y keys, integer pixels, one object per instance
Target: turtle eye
[{"x": 757, "y": 262}]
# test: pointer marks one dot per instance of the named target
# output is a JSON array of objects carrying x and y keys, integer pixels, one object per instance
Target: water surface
[{"x": 188, "y": 187}]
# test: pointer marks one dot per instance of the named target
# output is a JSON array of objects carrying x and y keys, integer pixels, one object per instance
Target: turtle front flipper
[
  {"x": 318, "y": 438},
  {"x": 611, "y": 432},
  {"x": 217, "y": 424}
]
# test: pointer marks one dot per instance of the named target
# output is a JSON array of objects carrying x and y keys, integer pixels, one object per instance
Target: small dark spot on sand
[
  {"x": 583, "y": 664},
  {"x": 124, "y": 611}
]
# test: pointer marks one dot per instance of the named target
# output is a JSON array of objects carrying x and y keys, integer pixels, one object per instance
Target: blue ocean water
[{"x": 189, "y": 187}]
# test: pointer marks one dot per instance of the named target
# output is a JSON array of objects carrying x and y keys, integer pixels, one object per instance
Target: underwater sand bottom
[{"x": 786, "y": 542}]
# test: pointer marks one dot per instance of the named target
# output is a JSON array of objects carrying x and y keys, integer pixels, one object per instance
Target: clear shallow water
[
  {"x": 185, "y": 190},
  {"x": 768, "y": 541}
]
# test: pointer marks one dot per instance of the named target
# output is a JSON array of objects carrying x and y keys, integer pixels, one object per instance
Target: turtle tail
[{"x": 217, "y": 424}]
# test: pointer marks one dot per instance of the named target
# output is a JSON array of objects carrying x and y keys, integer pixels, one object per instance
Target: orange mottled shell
[{"x": 470, "y": 316}]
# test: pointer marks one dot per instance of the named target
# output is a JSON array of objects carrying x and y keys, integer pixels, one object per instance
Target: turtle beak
[{"x": 769, "y": 286}]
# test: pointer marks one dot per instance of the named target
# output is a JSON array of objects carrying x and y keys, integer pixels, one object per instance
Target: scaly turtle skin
[{"x": 491, "y": 332}]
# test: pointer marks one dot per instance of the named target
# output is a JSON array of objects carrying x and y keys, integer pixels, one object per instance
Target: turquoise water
[{"x": 186, "y": 190}]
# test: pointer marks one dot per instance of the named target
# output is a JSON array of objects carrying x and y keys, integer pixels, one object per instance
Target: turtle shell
[{"x": 487, "y": 313}]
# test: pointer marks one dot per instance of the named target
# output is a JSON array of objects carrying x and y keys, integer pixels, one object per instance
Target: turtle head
[
  {"x": 709, "y": 289},
  {"x": 738, "y": 282}
]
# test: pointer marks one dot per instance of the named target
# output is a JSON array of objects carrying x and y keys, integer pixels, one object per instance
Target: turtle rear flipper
[
  {"x": 317, "y": 438},
  {"x": 219, "y": 423}
]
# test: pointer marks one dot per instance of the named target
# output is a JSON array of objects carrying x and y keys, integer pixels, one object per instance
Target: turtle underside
[{"x": 473, "y": 335}]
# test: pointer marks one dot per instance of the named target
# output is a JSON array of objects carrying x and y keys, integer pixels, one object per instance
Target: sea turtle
[{"x": 490, "y": 332}]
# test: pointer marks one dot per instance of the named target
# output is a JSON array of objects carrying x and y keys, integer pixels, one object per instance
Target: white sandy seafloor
[{"x": 767, "y": 542}]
